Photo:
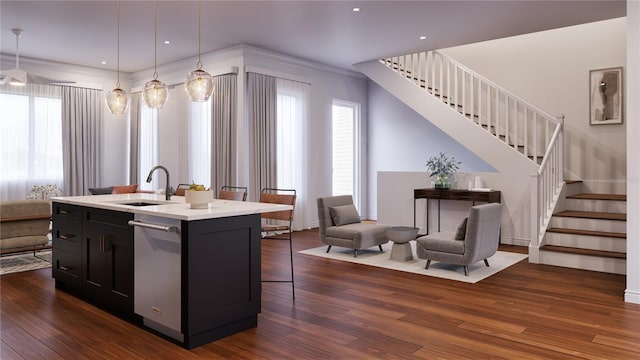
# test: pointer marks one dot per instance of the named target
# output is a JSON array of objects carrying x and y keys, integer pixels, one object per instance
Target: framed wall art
[{"x": 605, "y": 96}]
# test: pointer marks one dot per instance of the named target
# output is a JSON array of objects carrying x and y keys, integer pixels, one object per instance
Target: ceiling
[{"x": 329, "y": 32}]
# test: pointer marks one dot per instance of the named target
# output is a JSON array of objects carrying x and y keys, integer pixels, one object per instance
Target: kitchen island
[{"x": 189, "y": 275}]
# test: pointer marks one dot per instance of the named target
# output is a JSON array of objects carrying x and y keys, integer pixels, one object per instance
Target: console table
[{"x": 492, "y": 196}]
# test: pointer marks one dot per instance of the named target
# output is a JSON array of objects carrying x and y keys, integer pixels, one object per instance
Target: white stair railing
[{"x": 535, "y": 134}]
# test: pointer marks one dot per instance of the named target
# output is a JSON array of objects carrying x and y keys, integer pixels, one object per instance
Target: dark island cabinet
[
  {"x": 66, "y": 236},
  {"x": 93, "y": 255},
  {"x": 107, "y": 259}
]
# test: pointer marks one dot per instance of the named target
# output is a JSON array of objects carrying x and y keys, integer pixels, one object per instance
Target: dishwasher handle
[{"x": 166, "y": 228}]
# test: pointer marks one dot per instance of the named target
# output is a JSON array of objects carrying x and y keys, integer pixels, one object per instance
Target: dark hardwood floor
[{"x": 348, "y": 311}]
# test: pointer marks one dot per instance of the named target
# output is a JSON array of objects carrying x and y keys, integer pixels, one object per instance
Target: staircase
[{"x": 589, "y": 234}]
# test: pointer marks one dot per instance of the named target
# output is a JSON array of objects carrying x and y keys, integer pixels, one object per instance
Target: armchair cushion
[
  {"x": 461, "y": 232},
  {"x": 443, "y": 242},
  {"x": 343, "y": 215},
  {"x": 359, "y": 235}
]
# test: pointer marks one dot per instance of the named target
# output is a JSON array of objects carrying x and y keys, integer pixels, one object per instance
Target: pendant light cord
[
  {"x": 118, "y": 32},
  {"x": 17, "y": 49},
  {"x": 155, "y": 39},
  {"x": 199, "y": 64}
]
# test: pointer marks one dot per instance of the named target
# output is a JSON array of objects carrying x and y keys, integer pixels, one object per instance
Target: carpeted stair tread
[
  {"x": 592, "y": 215},
  {"x": 587, "y": 232},
  {"x": 588, "y": 252},
  {"x": 593, "y": 196}
]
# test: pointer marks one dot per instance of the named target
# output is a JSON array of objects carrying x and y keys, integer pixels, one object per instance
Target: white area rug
[
  {"x": 373, "y": 257},
  {"x": 24, "y": 262}
]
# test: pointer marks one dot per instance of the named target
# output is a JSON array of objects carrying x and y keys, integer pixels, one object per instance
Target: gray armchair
[
  {"x": 478, "y": 242},
  {"x": 340, "y": 225}
]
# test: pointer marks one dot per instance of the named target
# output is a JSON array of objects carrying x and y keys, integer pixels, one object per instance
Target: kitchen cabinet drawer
[
  {"x": 65, "y": 211},
  {"x": 96, "y": 217},
  {"x": 66, "y": 270},
  {"x": 67, "y": 236}
]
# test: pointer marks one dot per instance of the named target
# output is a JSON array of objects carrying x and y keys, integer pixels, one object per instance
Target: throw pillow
[
  {"x": 343, "y": 215},
  {"x": 101, "y": 191},
  {"x": 461, "y": 232},
  {"x": 125, "y": 189}
]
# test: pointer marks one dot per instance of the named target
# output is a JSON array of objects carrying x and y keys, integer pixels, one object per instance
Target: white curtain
[
  {"x": 199, "y": 148},
  {"x": 292, "y": 118},
  {"x": 147, "y": 146},
  {"x": 30, "y": 139},
  {"x": 134, "y": 137},
  {"x": 224, "y": 114},
  {"x": 81, "y": 134},
  {"x": 261, "y": 103}
]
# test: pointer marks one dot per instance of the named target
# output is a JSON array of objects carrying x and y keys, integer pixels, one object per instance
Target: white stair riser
[
  {"x": 597, "y": 205},
  {"x": 584, "y": 262},
  {"x": 586, "y": 242},
  {"x": 573, "y": 189},
  {"x": 589, "y": 224}
]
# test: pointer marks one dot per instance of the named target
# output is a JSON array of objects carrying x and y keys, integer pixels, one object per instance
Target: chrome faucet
[{"x": 167, "y": 191}]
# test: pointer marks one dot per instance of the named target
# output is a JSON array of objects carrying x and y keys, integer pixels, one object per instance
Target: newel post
[{"x": 534, "y": 221}]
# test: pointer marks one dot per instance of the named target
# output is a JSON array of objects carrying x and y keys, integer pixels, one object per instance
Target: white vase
[{"x": 478, "y": 183}]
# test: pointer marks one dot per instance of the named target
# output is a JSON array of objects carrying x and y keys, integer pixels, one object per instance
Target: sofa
[{"x": 24, "y": 225}]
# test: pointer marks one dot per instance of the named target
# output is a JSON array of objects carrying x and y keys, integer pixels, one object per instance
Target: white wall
[
  {"x": 401, "y": 140},
  {"x": 632, "y": 293},
  {"x": 551, "y": 70}
]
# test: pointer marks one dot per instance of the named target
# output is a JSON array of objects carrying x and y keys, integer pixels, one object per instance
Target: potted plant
[{"x": 441, "y": 167}]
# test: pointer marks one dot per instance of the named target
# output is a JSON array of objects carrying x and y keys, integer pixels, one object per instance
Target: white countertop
[{"x": 175, "y": 208}]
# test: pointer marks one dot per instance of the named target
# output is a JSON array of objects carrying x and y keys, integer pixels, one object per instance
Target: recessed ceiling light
[
  {"x": 423, "y": 37},
  {"x": 356, "y": 9},
  {"x": 103, "y": 62},
  {"x": 167, "y": 42}
]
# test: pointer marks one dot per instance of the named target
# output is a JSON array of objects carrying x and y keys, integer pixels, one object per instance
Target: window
[
  {"x": 345, "y": 119},
  {"x": 30, "y": 142}
]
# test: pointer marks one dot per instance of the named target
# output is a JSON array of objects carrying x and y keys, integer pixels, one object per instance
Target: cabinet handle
[
  {"x": 63, "y": 212},
  {"x": 101, "y": 243},
  {"x": 64, "y": 268},
  {"x": 66, "y": 237}
]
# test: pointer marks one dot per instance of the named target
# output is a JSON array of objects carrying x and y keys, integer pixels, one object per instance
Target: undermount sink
[
  {"x": 144, "y": 203},
  {"x": 139, "y": 203}
]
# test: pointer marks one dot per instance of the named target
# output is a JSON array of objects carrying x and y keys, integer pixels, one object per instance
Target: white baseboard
[{"x": 632, "y": 296}]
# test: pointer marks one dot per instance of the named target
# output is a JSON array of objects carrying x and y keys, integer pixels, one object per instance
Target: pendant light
[
  {"x": 199, "y": 84},
  {"x": 155, "y": 92},
  {"x": 117, "y": 99}
]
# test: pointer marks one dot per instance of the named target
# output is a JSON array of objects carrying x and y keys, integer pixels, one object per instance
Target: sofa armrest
[{"x": 25, "y": 218}]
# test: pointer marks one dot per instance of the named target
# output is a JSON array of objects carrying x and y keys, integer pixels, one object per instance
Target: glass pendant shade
[
  {"x": 117, "y": 101},
  {"x": 155, "y": 94},
  {"x": 199, "y": 85}
]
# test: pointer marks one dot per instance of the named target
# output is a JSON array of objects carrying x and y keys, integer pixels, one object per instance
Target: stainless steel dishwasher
[{"x": 157, "y": 274}]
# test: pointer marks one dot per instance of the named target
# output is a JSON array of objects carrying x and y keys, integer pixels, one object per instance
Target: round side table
[{"x": 401, "y": 235}]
